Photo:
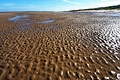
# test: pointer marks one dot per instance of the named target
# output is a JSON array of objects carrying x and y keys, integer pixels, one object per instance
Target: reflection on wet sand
[
  {"x": 24, "y": 25},
  {"x": 46, "y": 21},
  {"x": 93, "y": 13},
  {"x": 18, "y": 18},
  {"x": 60, "y": 47}
]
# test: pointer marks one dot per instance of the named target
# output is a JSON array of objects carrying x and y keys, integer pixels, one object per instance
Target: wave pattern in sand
[{"x": 74, "y": 47}]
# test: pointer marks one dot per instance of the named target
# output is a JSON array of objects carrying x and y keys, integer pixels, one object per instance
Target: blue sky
[{"x": 53, "y": 5}]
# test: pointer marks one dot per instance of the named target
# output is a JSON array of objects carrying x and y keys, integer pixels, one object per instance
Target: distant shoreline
[
  {"x": 110, "y": 9},
  {"x": 106, "y": 11}
]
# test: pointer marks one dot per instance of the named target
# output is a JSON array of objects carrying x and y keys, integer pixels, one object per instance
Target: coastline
[{"x": 106, "y": 11}]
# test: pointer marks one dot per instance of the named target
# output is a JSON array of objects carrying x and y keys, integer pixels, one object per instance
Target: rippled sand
[{"x": 73, "y": 47}]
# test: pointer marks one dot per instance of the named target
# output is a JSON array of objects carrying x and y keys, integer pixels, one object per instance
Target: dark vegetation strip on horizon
[{"x": 100, "y": 8}]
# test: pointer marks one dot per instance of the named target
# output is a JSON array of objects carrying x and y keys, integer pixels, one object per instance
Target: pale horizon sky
[{"x": 53, "y": 5}]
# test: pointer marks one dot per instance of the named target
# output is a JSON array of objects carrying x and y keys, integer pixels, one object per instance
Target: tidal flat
[{"x": 59, "y": 46}]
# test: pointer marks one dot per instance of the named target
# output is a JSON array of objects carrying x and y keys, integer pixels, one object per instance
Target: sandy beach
[{"x": 57, "y": 46}]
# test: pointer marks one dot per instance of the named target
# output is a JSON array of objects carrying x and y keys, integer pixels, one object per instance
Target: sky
[{"x": 53, "y": 5}]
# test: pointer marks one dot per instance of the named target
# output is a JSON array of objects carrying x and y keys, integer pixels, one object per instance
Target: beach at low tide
[{"x": 59, "y": 46}]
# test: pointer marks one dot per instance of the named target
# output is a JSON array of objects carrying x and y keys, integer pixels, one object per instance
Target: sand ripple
[{"x": 74, "y": 47}]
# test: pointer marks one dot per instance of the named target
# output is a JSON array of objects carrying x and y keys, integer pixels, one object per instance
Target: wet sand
[
  {"x": 105, "y": 11},
  {"x": 56, "y": 46}
]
